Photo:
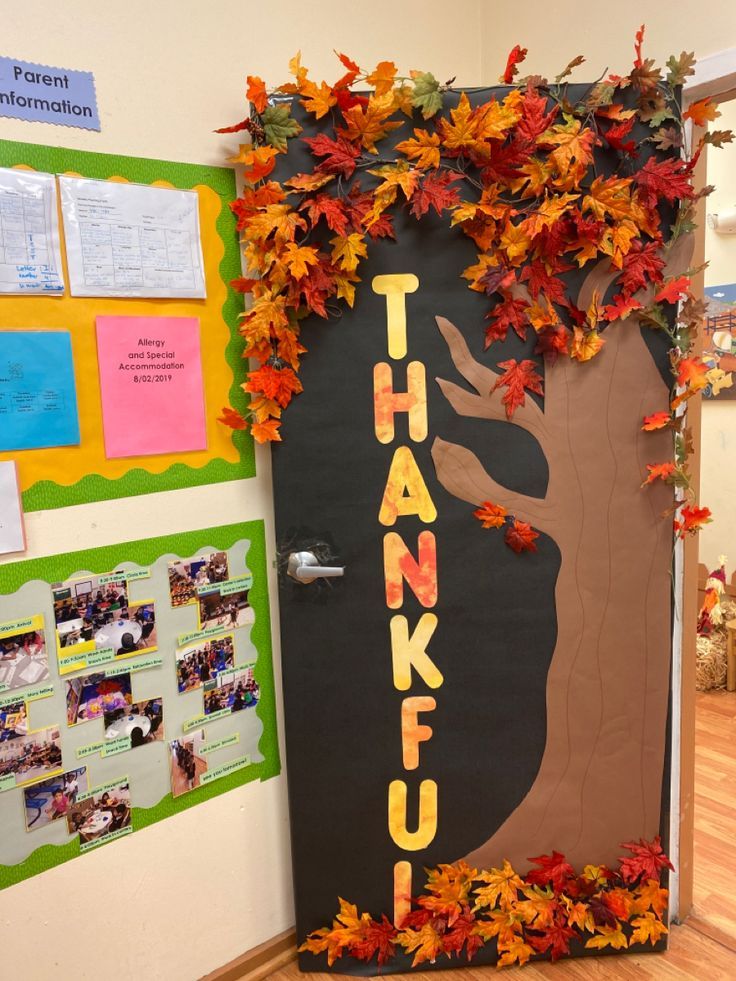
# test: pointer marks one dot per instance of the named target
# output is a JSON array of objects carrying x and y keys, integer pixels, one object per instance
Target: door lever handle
[{"x": 305, "y": 568}]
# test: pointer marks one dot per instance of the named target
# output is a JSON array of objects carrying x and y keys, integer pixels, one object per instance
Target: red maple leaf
[
  {"x": 520, "y": 537},
  {"x": 540, "y": 279},
  {"x": 658, "y": 471},
  {"x": 555, "y": 938},
  {"x": 329, "y": 208},
  {"x": 509, "y": 313},
  {"x": 642, "y": 265},
  {"x": 673, "y": 289},
  {"x": 602, "y": 915},
  {"x": 691, "y": 520},
  {"x": 517, "y": 376},
  {"x": 358, "y": 204},
  {"x": 376, "y": 938},
  {"x": 621, "y": 307},
  {"x": 647, "y": 858},
  {"x": 535, "y": 119},
  {"x": 339, "y": 155},
  {"x": 553, "y": 870},
  {"x": 615, "y": 137},
  {"x": 551, "y": 342},
  {"x": 663, "y": 180},
  {"x": 516, "y": 56},
  {"x": 491, "y": 515},
  {"x": 244, "y": 124},
  {"x": 435, "y": 192},
  {"x": 501, "y": 161}
]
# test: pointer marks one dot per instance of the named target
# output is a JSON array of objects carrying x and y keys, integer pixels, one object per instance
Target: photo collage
[{"x": 99, "y": 622}]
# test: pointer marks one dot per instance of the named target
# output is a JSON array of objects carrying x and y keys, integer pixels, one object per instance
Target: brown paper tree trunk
[{"x": 600, "y": 779}]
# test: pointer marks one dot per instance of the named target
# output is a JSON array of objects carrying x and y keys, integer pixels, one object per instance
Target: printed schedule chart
[{"x": 30, "y": 260}]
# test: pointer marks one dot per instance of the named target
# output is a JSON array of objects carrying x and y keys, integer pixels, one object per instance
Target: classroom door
[{"x": 448, "y": 697}]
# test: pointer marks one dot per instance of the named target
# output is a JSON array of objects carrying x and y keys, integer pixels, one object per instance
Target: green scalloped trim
[
  {"x": 101, "y": 166},
  {"x": 56, "y": 568}
]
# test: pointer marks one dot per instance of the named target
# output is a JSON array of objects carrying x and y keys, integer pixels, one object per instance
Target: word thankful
[{"x": 405, "y": 494}]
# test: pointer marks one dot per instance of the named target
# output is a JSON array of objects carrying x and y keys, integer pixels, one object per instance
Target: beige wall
[
  {"x": 718, "y": 460},
  {"x": 214, "y": 881},
  {"x": 207, "y": 885},
  {"x": 602, "y": 32}
]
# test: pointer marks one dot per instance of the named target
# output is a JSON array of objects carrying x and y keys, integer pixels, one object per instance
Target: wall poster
[{"x": 135, "y": 681}]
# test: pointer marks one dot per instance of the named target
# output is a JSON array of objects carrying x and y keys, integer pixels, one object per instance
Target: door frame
[{"x": 715, "y": 77}]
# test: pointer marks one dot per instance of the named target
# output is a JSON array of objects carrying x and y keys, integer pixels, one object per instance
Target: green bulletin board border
[
  {"x": 144, "y": 552},
  {"x": 101, "y": 166}
]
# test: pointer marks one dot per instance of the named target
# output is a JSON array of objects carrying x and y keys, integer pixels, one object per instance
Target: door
[{"x": 462, "y": 692}]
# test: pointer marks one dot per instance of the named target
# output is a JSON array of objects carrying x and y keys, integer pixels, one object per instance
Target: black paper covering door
[{"x": 497, "y": 621}]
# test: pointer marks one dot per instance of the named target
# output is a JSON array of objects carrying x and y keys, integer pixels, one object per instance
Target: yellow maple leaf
[
  {"x": 318, "y": 100},
  {"x": 448, "y": 886},
  {"x": 647, "y": 927},
  {"x": 573, "y": 144},
  {"x": 370, "y": 123},
  {"x": 585, "y": 344},
  {"x": 399, "y": 175},
  {"x": 542, "y": 314},
  {"x": 504, "y": 924},
  {"x": 609, "y": 196},
  {"x": 264, "y": 408},
  {"x": 516, "y": 242},
  {"x": 348, "y": 250},
  {"x": 578, "y": 914},
  {"x": 267, "y": 313},
  {"x": 423, "y": 149},
  {"x": 402, "y": 96},
  {"x": 503, "y": 886},
  {"x": 536, "y": 174},
  {"x": 516, "y": 952},
  {"x": 279, "y": 220},
  {"x": 425, "y": 943},
  {"x": 298, "y": 258},
  {"x": 308, "y": 182},
  {"x": 650, "y": 894},
  {"x": 547, "y": 213},
  {"x": 538, "y": 906},
  {"x": 494, "y": 119},
  {"x": 608, "y": 937},
  {"x": 296, "y": 69},
  {"x": 461, "y": 132},
  {"x": 345, "y": 283},
  {"x": 382, "y": 77},
  {"x": 616, "y": 241}
]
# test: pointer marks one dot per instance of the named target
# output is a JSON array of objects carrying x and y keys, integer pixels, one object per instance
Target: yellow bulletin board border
[{"x": 45, "y": 494}]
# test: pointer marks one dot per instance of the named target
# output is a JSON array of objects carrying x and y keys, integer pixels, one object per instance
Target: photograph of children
[
  {"x": 24, "y": 659},
  {"x": 52, "y": 799},
  {"x": 93, "y": 696},
  {"x": 216, "y": 610},
  {"x": 31, "y": 757},
  {"x": 198, "y": 664},
  {"x": 142, "y": 721},
  {"x": 187, "y": 762},
  {"x": 234, "y": 690},
  {"x": 185, "y": 578},
  {"x": 101, "y": 814},
  {"x": 13, "y": 721},
  {"x": 89, "y": 614}
]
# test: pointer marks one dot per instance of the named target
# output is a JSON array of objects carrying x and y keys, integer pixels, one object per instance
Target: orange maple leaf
[
  {"x": 702, "y": 112},
  {"x": 256, "y": 92},
  {"x": 382, "y": 77},
  {"x": 658, "y": 420},
  {"x": 658, "y": 471},
  {"x": 266, "y": 432},
  {"x": 318, "y": 100},
  {"x": 585, "y": 344},
  {"x": 369, "y": 124},
  {"x": 647, "y": 927},
  {"x": 517, "y": 376},
  {"x": 503, "y": 884},
  {"x": 232, "y": 418},
  {"x": 491, "y": 516},
  {"x": 691, "y": 520},
  {"x": 424, "y": 149}
]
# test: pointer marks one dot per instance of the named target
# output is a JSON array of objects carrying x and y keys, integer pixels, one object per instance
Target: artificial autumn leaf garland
[
  {"x": 515, "y": 174},
  {"x": 543, "y": 912}
]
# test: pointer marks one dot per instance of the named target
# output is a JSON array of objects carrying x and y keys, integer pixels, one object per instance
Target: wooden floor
[{"x": 704, "y": 948}]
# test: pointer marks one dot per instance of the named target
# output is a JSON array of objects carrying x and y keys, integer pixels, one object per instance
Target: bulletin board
[
  {"x": 62, "y": 476},
  {"x": 239, "y": 746}
]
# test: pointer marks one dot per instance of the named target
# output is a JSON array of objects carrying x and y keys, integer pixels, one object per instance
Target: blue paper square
[{"x": 38, "y": 398}]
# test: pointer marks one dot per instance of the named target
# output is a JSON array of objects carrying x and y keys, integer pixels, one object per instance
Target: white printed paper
[
  {"x": 12, "y": 538},
  {"x": 131, "y": 240},
  {"x": 30, "y": 259}
]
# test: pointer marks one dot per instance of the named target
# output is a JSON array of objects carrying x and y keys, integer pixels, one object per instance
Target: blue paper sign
[
  {"x": 38, "y": 398},
  {"x": 42, "y": 94}
]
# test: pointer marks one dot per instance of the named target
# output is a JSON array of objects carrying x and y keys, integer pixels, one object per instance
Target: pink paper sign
[{"x": 151, "y": 381}]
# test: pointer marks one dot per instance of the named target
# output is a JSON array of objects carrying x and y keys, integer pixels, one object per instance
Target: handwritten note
[
  {"x": 151, "y": 380},
  {"x": 131, "y": 239},
  {"x": 12, "y": 538},
  {"x": 30, "y": 259},
  {"x": 38, "y": 399}
]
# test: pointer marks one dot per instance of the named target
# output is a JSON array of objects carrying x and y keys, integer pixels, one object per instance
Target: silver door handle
[{"x": 305, "y": 568}]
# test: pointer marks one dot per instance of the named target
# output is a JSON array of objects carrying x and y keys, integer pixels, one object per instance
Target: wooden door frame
[{"x": 715, "y": 76}]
